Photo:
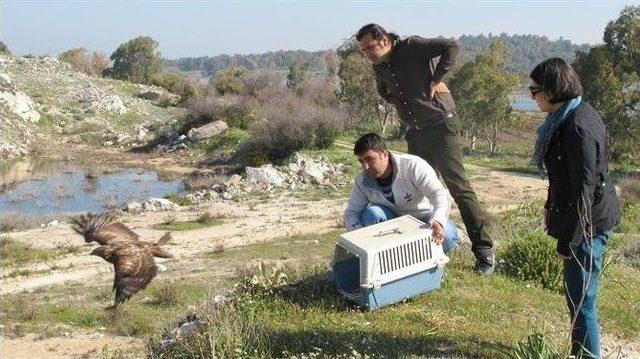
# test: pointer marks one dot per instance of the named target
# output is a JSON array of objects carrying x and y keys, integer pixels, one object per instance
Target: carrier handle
[{"x": 395, "y": 230}]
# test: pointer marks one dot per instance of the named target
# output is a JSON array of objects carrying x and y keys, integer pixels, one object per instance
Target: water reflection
[{"x": 45, "y": 187}]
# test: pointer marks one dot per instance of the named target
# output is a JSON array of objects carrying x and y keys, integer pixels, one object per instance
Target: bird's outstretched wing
[{"x": 102, "y": 228}]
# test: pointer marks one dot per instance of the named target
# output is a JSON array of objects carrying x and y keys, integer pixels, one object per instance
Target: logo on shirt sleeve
[{"x": 408, "y": 197}]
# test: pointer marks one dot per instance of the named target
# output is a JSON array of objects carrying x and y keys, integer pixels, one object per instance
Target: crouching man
[{"x": 392, "y": 185}]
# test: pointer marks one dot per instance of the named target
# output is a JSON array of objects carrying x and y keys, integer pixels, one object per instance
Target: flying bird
[{"x": 132, "y": 259}]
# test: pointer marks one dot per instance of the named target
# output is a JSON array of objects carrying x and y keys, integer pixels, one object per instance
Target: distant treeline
[
  {"x": 278, "y": 60},
  {"x": 525, "y": 52}
]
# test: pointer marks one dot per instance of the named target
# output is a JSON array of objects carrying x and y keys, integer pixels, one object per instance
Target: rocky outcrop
[
  {"x": 16, "y": 101},
  {"x": 17, "y": 116},
  {"x": 74, "y": 107},
  {"x": 207, "y": 131}
]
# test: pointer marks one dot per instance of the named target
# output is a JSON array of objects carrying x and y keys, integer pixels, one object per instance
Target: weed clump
[{"x": 533, "y": 258}]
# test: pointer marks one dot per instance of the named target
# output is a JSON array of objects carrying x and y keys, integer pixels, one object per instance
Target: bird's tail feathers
[{"x": 164, "y": 239}]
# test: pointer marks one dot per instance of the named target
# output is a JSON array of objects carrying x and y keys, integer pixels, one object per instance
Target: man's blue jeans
[
  {"x": 582, "y": 278},
  {"x": 376, "y": 214}
]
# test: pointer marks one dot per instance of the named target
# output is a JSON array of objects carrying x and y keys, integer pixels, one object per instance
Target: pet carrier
[{"x": 388, "y": 262}]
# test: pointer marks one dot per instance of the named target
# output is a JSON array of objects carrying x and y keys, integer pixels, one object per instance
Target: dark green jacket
[{"x": 404, "y": 80}]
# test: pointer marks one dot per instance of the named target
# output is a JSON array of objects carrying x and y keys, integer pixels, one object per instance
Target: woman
[{"x": 582, "y": 206}]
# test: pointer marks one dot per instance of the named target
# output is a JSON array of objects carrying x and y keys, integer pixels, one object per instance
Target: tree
[
  {"x": 229, "y": 80},
  {"x": 136, "y": 60},
  {"x": 99, "y": 62},
  {"x": 297, "y": 74},
  {"x": 610, "y": 75},
  {"x": 482, "y": 90},
  {"x": 331, "y": 64},
  {"x": 4, "y": 50},
  {"x": 358, "y": 90},
  {"x": 622, "y": 37},
  {"x": 81, "y": 60}
]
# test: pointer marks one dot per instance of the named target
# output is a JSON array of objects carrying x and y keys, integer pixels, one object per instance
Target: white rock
[
  {"x": 266, "y": 175},
  {"x": 20, "y": 104},
  {"x": 4, "y": 79},
  {"x": 134, "y": 207},
  {"x": 187, "y": 329},
  {"x": 209, "y": 130},
  {"x": 159, "y": 204}
]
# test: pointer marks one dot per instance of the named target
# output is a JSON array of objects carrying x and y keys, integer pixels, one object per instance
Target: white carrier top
[{"x": 392, "y": 250}]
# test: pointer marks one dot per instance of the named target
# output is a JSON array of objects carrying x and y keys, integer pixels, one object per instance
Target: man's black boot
[{"x": 485, "y": 261}]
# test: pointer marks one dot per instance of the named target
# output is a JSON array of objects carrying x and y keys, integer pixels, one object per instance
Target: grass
[
  {"x": 127, "y": 119},
  {"x": 10, "y": 222},
  {"x": 226, "y": 141},
  {"x": 205, "y": 220},
  {"x": 469, "y": 316},
  {"x": 83, "y": 307},
  {"x": 178, "y": 199},
  {"x": 14, "y": 253},
  {"x": 48, "y": 121}
]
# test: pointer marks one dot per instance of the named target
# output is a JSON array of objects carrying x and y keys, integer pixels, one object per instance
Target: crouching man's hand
[{"x": 438, "y": 231}]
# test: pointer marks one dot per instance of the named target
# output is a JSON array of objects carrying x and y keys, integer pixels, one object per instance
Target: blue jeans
[
  {"x": 376, "y": 214},
  {"x": 582, "y": 278}
]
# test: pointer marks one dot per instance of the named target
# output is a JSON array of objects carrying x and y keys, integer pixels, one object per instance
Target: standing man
[{"x": 409, "y": 77}]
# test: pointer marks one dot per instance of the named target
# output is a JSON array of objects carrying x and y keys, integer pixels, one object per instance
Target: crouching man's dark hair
[
  {"x": 369, "y": 141},
  {"x": 557, "y": 79}
]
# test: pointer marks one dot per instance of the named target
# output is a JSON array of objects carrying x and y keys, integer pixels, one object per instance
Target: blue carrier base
[{"x": 347, "y": 278}]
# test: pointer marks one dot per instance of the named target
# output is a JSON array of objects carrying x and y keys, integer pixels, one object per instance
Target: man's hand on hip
[
  {"x": 437, "y": 231},
  {"x": 437, "y": 87}
]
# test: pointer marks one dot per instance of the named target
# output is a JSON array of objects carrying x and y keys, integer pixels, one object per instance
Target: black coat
[{"x": 581, "y": 200}]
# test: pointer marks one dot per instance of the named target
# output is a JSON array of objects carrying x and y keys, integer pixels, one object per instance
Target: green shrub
[
  {"x": 265, "y": 280},
  {"x": 630, "y": 222},
  {"x": 325, "y": 135},
  {"x": 164, "y": 101},
  {"x": 231, "y": 330},
  {"x": 537, "y": 346},
  {"x": 166, "y": 80},
  {"x": 228, "y": 80},
  {"x": 533, "y": 258},
  {"x": 236, "y": 111},
  {"x": 227, "y": 140}
]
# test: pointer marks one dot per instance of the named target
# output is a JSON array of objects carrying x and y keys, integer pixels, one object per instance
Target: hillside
[{"x": 45, "y": 99}]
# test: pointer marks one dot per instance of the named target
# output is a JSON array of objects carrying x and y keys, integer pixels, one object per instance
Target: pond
[
  {"x": 51, "y": 187},
  {"x": 524, "y": 103}
]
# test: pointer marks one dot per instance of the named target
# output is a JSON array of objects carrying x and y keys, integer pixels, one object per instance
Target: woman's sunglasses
[{"x": 534, "y": 90}]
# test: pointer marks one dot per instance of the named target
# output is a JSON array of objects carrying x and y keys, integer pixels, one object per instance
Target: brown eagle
[{"x": 132, "y": 259}]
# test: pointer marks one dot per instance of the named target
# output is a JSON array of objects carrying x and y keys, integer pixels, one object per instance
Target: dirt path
[{"x": 246, "y": 223}]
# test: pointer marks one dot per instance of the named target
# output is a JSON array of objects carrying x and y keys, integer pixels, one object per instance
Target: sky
[{"x": 196, "y": 28}]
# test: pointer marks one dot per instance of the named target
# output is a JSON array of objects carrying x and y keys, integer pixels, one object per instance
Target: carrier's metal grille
[{"x": 405, "y": 255}]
